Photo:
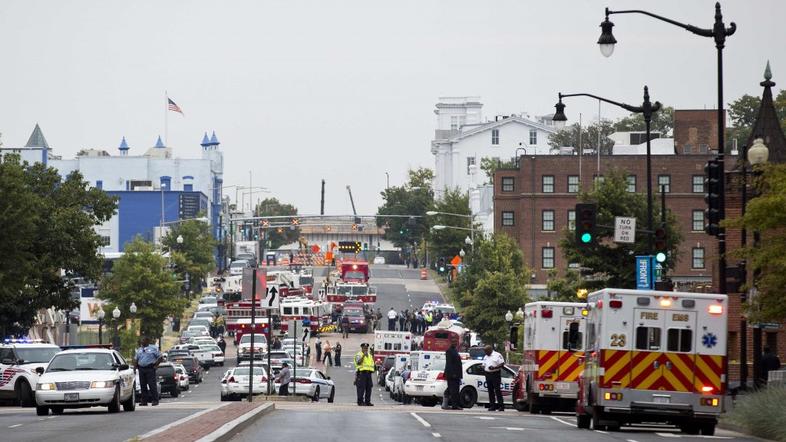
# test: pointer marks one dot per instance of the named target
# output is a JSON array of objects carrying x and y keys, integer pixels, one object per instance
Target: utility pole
[{"x": 322, "y": 201}]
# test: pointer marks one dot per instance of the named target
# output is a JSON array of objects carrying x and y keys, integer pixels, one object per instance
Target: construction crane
[{"x": 354, "y": 212}]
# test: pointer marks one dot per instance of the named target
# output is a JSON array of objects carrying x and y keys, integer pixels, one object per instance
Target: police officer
[
  {"x": 146, "y": 361},
  {"x": 364, "y": 366}
]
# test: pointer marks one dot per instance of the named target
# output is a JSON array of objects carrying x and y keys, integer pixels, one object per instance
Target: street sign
[
  {"x": 624, "y": 229},
  {"x": 645, "y": 272},
  {"x": 271, "y": 297},
  {"x": 261, "y": 284}
]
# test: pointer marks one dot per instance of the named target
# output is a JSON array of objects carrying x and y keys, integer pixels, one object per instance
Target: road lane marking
[
  {"x": 436, "y": 434},
  {"x": 668, "y": 435},
  {"x": 485, "y": 418},
  {"x": 601, "y": 432},
  {"x": 511, "y": 428},
  {"x": 570, "y": 424},
  {"x": 420, "y": 419},
  {"x": 631, "y": 440},
  {"x": 14, "y": 426}
]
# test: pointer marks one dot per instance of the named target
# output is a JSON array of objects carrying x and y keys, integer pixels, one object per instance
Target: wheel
[
  {"x": 224, "y": 398},
  {"x": 114, "y": 406},
  {"x": 25, "y": 394},
  {"x": 221, "y": 364},
  {"x": 175, "y": 392},
  {"x": 42, "y": 411},
  {"x": 57, "y": 410},
  {"x": 707, "y": 429},
  {"x": 520, "y": 406},
  {"x": 316, "y": 395},
  {"x": 583, "y": 421},
  {"x": 468, "y": 397},
  {"x": 690, "y": 428},
  {"x": 130, "y": 403},
  {"x": 187, "y": 387},
  {"x": 332, "y": 395},
  {"x": 596, "y": 421},
  {"x": 532, "y": 401}
]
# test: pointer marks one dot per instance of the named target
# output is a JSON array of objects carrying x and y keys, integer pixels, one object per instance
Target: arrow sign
[{"x": 271, "y": 298}]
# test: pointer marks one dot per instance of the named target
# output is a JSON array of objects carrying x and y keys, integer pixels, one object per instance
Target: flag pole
[{"x": 166, "y": 118}]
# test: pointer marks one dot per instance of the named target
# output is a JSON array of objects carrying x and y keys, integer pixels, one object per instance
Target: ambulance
[
  {"x": 553, "y": 357},
  {"x": 654, "y": 356},
  {"x": 391, "y": 343}
]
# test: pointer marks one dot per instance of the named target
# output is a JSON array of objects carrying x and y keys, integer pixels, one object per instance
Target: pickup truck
[{"x": 204, "y": 356}]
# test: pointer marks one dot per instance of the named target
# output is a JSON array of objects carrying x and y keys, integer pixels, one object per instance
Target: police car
[
  {"x": 314, "y": 384},
  {"x": 474, "y": 390},
  {"x": 18, "y": 361},
  {"x": 85, "y": 377}
]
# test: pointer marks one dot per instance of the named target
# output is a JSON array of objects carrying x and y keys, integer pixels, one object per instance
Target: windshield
[
  {"x": 81, "y": 361},
  {"x": 258, "y": 371},
  {"x": 353, "y": 312},
  {"x": 210, "y": 347},
  {"x": 237, "y": 264},
  {"x": 246, "y": 339},
  {"x": 306, "y": 280},
  {"x": 354, "y": 275},
  {"x": 37, "y": 355},
  {"x": 208, "y": 300}
]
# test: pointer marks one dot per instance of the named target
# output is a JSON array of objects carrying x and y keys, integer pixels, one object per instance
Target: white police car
[
  {"x": 312, "y": 383},
  {"x": 474, "y": 390},
  {"x": 18, "y": 361},
  {"x": 85, "y": 377}
]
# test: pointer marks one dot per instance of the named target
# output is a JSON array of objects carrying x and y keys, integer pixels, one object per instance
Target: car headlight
[
  {"x": 102, "y": 384},
  {"x": 46, "y": 386}
]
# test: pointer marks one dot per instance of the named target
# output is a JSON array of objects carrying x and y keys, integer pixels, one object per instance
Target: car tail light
[
  {"x": 440, "y": 376},
  {"x": 715, "y": 309},
  {"x": 304, "y": 381},
  {"x": 615, "y": 303},
  {"x": 546, "y": 313},
  {"x": 263, "y": 379},
  {"x": 231, "y": 379}
]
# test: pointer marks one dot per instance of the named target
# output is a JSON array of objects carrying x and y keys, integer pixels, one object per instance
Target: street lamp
[
  {"x": 179, "y": 239},
  {"x": 470, "y": 217},
  {"x": 100, "y": 315},
  {"x": 647, "y": 108},
  {"x": 116, "y": 316},
  {"x": 509, "y": 317},
  {"x": 519, "y": 315},
  {"x": 718, "y": 33},
  {"x": 462, "y": 253}
]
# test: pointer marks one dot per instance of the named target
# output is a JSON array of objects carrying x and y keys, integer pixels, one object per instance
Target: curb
[
  {"x": 228, "y": 430},
  {"x": 176, "y": 423}
]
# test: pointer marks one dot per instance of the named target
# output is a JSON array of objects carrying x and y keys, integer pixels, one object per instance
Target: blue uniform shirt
[{"x": 147, "y": 356}]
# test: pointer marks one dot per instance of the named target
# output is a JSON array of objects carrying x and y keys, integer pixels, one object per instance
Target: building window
[
  {"x": 698, "y": 220},
  {"x": 548, "y": 183},
  {"x": 508, "y": 219},
  {"x": 495, "y": 136},
  {"x": 697, "y": 255},
  {"x": 533, "y": 137},
  {"x": 571, "y": 220},
  {"x": 99, "y": 184},
  {"x": 507, "y": 183},
  {"x": 573, "y": 184},
  {"x": 631, "y": 179},
  {"x": 698, "y": 183},
  {"x": 547, "y": 217},
  {"x": 188, "y": 187},
  {"x": 105, "y": 240},
  {"x": 547, "y": 258},
  {"x": 470, "y": 163},
  {"x": 665, "y": 181},
  {"x": 597, "y": 180}
]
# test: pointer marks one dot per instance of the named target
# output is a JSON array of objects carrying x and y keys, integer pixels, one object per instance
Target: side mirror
[
  {"x": 328, "y": 378},
  {"x": 123, "y": 367},
  {"x": 39, "y": 370}
]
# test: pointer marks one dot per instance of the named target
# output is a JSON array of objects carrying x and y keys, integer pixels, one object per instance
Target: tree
[
  {"x": 767, "y": 214},
  {"x": 569, "y": 136},
  {"x": 194, "y": 257},
  {"x": 282, "y": 235},
  {"x": 493, "y": 282},
  {"x": 143, "y": 276},
  {"x": 414, "y": 198},
  {"x": 449, "y": 241},
  {"x": 743, "y": 113},
  {"x": 565, "y": 288},
  {"x": 662, "y": 121},
  {"x": 490, "y": 165},
  {"x": 46, "y": 240},
  {"x": 613, "y": 263}
]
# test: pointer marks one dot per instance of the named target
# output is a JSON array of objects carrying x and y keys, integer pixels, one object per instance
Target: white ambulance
[
  {"x": 19, "y": 360},
  {"x": 654, "y": 356},
  {"x": 391, "y": 343},
  {"x": 553, "y": 356}
]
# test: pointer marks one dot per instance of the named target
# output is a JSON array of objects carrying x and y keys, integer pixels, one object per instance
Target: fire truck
[
  {"x": 654, "y": 356},
  {"x": 298, "y": 309},
  {"x": 354, "y": 271},
  {"x": 238, "y": 319},
  {"x": 391, "y": 343},
  {"x": 342, "y": 292},
  {"x": 553, "y": 357}
]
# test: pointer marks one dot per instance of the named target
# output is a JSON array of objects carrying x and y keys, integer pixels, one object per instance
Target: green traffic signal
[
  {"x": 660, "y": 257},
  {"x": 586, "y": 238}
]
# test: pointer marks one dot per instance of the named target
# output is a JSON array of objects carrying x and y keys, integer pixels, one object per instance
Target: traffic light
[
  {"x": 660, "y": 244},
  {"x": 713, "y": 178},
  {"x": 585, "y": 224},
  {"x": 441, "y": 265}
]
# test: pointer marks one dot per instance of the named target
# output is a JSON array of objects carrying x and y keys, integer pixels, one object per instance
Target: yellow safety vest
[{"x": 364, "y": 362}]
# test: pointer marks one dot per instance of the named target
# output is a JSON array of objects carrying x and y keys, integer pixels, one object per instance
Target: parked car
[
  {"x": 200, "y": 330},
  {"x": 206, "y": 314},
  {"x": 387, "y": 364},
  {"x": 182, "y": 377},
  {"x": 379, "y": 260},
  {"x": 193, "y": 368},
  {"x": 235, "y": 382},
  {"x": 314, "y": 384},
  {"x": 168, "y": 379}
]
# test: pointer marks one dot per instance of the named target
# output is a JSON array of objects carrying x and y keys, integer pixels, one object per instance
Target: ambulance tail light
[
  {"x": 706, "y": 389},
  {"x": 710, "y": 401},
  {"x": 546, "y": 313},
  {"x": 612, "y": 396},
  {"x": 615, "y": 303},
  {"x": 715, "y": 309}
]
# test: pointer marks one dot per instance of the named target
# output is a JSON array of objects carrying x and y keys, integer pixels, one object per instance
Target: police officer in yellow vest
[{"x": 364, "y": 366}]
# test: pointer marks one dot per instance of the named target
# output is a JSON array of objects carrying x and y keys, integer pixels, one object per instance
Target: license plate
[
  {"x": 71, "y": 397},
  {"x": 419, "y": 387},
  {"x": 662, "y": 400},
  {"x": 562, "y": 386}
]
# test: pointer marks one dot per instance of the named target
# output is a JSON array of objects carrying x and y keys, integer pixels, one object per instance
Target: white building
[{"x": 462, "y": 138}]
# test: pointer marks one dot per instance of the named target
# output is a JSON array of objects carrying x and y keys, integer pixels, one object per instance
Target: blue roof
[
  {"x": 159, "y": 143},
  {"x": 205, "y": 140},
  {"x": 214, "y": 139},
  {"x": 123, "y": 145}
]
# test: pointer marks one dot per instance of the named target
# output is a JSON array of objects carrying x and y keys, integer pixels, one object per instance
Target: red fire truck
[
  {"x": 354, "y": 271},
  {"x": 238, "y": 319}
]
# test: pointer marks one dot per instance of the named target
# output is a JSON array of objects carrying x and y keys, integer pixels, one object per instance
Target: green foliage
[
  {"x": 564, "y": 288},
  {"x": 413, "y": 198},
  {"x": 662, "y": 121},
  {"x": 490, "y": 165},
  {"x": 278, "y": 237},
  {"x": 767, "y": 214},
  {"x": 195, "y": 255},
  {"x": 761, "y": 413},
  {"x": 492, "y": 283},
  {"x": 448, "y": 242},
  {"x": 743, "y": 112},
  {"x": 569, "y": 136},
  {"x": 612, "y": 263},
  {"x": 47, "y": 231},
  {"x": 142, "y": 276}
]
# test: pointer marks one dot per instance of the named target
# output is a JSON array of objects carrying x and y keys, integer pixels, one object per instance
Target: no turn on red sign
[{"x": 624, "y": 229}]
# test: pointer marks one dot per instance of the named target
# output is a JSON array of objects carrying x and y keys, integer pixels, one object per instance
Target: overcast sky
[{"x": 345, "y": 90}]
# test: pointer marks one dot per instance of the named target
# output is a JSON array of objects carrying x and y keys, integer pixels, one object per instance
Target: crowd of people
[{"x": 415, "y": 322}]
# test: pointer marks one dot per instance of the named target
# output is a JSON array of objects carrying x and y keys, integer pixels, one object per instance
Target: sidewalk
[{"x": 218, "y": 423}]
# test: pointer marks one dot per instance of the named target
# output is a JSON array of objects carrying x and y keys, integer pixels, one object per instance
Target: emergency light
[
  {"x": 615, "y": 303},
  {"x": 546, "y": 313},
  {"x": 715, "y": 309}
]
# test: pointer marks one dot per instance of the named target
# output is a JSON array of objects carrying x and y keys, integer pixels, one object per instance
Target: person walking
[
  {"x": 327, "y": 352},
  {"x": 453, "y": 373},
  {"x": 337, "y": 352},
  {"x": 344, "y": 326},
  {"x": 392, "y": 315},
  {"x": 284, "y": 378},
  {"x": 318, "y": 349},
  {"x": 492, "y": 365},
  {"x": 145, "y": 362},
  {"x": 769, "y": 362},
  {"x": 364, "y": 366},
  {"x": 222, "y": 344}
]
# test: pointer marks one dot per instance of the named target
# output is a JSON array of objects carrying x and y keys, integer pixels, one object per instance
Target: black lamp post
[
  {"x": 100, "y": 315},
  {"x": 718, "y": 33},
  {"x": 647, "y": 108}
]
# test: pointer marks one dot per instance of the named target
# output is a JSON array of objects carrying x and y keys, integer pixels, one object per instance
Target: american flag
[{"x": 174, "y": 107}]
